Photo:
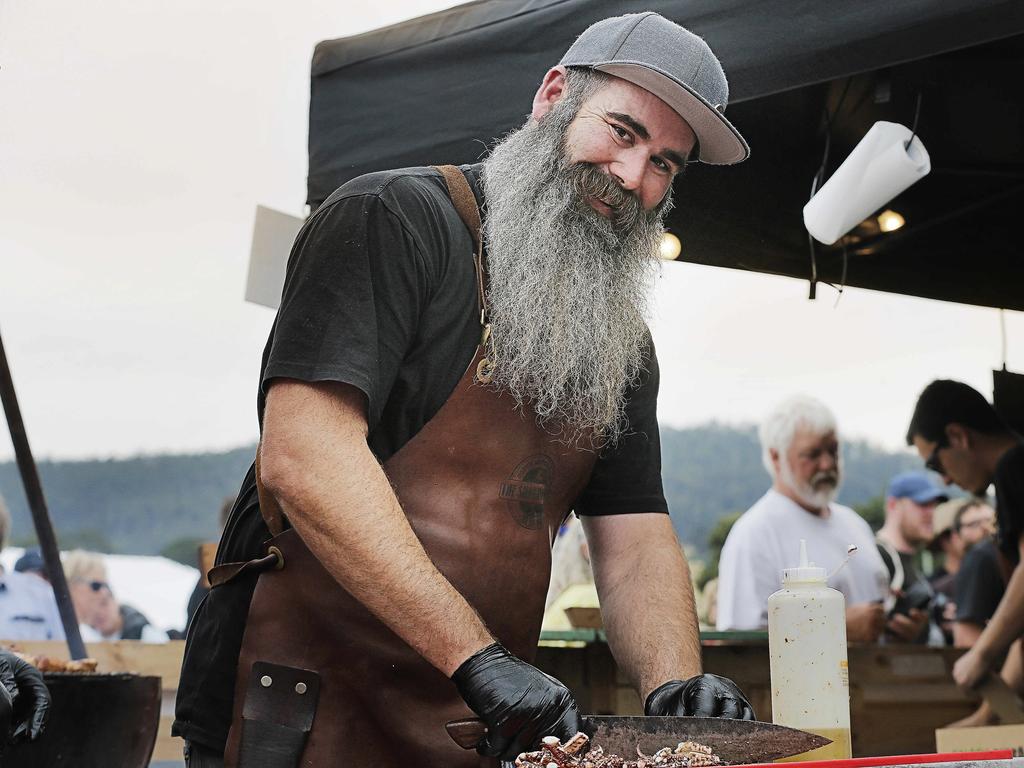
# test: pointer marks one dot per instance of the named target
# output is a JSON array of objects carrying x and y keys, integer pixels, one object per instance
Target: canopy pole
[{"x": 40, "y": 515}]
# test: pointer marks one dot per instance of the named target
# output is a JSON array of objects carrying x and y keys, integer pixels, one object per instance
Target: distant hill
[
  {"x": 164, "y": 503},
  {"x": 130, "y": 506}
]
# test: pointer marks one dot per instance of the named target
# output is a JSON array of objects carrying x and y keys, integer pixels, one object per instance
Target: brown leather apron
[{"x": 485, "y": 490}]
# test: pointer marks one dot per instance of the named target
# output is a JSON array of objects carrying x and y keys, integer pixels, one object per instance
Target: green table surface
[{"x": 598, "y": 636}]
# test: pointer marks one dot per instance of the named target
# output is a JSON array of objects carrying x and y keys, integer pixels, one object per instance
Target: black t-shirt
[
  {"x": 381, "y": 294},
  {"x": 979, "y": 584},
  {"x": 1009, "y": 482}
]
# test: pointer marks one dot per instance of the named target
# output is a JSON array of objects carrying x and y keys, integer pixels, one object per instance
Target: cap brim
[
  {"x": 720, "y": 142},
  {"x": 930, "y": 495}
]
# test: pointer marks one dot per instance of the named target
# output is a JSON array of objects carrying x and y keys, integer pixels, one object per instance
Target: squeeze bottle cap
[{"x": 805, "y": 571}]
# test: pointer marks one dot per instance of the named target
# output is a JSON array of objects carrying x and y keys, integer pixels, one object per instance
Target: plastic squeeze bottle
[{"x": 807, "y": 649}]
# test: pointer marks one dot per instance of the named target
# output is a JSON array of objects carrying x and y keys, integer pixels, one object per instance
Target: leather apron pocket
[{"x": 277, "y": 715}]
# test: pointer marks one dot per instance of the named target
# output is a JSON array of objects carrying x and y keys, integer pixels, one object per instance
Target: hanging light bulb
[
  {"x": 890, "y": 221},
  {"x": 669, "y": 248}
]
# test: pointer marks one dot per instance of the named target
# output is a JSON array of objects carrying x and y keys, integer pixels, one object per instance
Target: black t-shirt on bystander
[
  {"x": 979, "y": 584},
  {"x": 1009, "y": 483}
]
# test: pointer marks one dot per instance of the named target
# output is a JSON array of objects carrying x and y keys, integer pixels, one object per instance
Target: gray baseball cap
[{"x": 675, "y": 65}]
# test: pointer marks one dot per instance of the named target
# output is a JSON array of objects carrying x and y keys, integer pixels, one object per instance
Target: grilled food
[{"x": 577, "y": 752}]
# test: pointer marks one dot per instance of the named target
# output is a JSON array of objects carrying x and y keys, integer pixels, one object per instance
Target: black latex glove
[
  {"x": 519, "y": 704},
  {"x": 29, "y": 697},
  {"x": 700, "y": 696}
]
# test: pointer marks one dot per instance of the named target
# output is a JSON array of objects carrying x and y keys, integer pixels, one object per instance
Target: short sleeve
[
  {"x": 627, "y": 477},
  {"x": 352, "y": 298}
]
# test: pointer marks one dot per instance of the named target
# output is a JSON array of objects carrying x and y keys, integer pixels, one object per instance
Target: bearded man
[
  {"x": 433, "y": 405},
  {"x": 800, "y": 450}
]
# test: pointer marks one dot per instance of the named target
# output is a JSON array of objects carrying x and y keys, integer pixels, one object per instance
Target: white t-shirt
[
  {"x": 766, "y": 539},
  {"x": 28, "y": 609}
]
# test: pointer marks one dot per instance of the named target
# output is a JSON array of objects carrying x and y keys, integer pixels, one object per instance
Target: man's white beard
[
  {"x": 568, "y": 288},
  {"x": 816, "y": 498}
]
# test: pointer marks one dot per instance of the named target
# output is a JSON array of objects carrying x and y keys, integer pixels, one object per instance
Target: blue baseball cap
[
  {"x": 32, "y": 560},
  {"x": 918, "y": 486}
]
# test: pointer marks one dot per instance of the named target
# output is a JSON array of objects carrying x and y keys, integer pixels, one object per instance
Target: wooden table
[{"x": 899, "y": 694}]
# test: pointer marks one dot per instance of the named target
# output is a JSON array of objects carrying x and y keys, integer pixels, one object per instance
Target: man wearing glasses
[{"x": 960, "y": 436}]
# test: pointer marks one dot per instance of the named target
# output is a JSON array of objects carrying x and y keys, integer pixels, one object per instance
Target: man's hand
[
  {"x": 971, "y": 668},
  {"x": 908, "y": 628},
  {"x": 864, "y": 622},
  {"x": 700, "y": 696},
  {"x": 28, "y": 696},
  {"x": 519, "y": 704}
]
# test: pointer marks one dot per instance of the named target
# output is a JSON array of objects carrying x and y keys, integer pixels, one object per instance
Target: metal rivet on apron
[
  {"x": 300, "y": 687},
  {"x": 266, "y": 681}
]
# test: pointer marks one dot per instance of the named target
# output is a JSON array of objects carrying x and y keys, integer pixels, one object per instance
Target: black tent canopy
[{"x": 441, "y": 87}]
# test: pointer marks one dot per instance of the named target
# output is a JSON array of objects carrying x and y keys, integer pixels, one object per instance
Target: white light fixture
[
  {"x": 669, "y": 248},
  {"x": 890, "y": 221}
]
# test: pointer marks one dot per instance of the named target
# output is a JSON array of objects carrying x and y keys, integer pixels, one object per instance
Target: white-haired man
[{"x": 800, "y": 450}]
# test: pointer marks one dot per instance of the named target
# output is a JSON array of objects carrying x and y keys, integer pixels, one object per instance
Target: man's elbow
[{"x": 281, "y": 471}]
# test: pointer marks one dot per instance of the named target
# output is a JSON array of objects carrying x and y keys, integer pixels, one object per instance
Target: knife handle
[{"x": 466, "y": 733}]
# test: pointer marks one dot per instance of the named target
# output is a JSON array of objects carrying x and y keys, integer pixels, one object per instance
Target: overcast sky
[{"x": 136, "y": 140}]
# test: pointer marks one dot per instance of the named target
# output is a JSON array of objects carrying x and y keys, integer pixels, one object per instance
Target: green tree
[
  {"x": 716, "y": 540},
  {"x": 184, "y": 550},
  {"x": 872, "y": 510}
]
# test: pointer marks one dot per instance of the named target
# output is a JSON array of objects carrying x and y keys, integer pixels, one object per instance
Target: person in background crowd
[
  {"x": 946, "y": 542},
  {"x": 909, "y": 505},
  {"x": 949, "y": 547},
  {"x": 100, "y": 616},
  {"x": 959, "y": 435},
  {"x": 28, "y": 608},
  {"x": 31, "y": 562},
  {"x": 800, "y": 450},
  {"x": 979, "y": 584}
]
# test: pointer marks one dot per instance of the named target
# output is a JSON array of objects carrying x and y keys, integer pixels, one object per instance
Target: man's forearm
[
  {"x": 647, "y": 602},
  {"x": 338, "y": 498}
]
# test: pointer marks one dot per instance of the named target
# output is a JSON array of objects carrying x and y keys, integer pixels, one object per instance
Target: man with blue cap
[{"x": 909, "y": 509}]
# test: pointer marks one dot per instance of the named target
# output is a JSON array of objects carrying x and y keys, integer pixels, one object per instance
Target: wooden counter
[{"x": 899, "y": 694}]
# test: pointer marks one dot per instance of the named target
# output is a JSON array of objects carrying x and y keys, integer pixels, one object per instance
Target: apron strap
[
  {"x": 465, "y": 204},
  {"x": 464, "y": 200}
]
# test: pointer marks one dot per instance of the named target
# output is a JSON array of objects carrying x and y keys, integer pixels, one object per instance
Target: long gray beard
[{"x": 568, "y": 288}]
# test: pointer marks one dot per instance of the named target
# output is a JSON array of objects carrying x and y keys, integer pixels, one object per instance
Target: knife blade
[{"x": 734, "y": 741}]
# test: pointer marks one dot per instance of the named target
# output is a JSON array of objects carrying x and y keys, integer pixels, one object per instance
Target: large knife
[{"x": 734, "y": 741}]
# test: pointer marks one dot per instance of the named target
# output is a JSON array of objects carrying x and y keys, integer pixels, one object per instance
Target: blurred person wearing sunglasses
[
  {"x": 100, "y": 616},
  {"x": 960, "y": 436},
  {"x": 979, "y": 584},
  {"x": 28, "y": 609}
]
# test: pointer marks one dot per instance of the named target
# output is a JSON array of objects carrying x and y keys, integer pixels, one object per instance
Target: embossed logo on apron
[{"x": 526, "y": 489}]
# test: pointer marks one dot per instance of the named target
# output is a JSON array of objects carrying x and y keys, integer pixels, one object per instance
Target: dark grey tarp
[{"x": 440, "y": 88}]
